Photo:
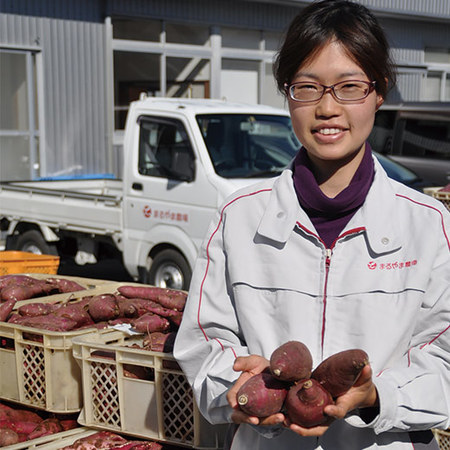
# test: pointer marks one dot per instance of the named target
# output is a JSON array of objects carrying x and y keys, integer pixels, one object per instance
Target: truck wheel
[
  {"x": 169, "y": 269},
  {"x": 32, "y": 241}
]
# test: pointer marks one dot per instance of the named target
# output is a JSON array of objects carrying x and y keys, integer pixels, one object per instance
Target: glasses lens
[
  {"x": 351, "y": 90},
  {"x": 306, "y": 92}
]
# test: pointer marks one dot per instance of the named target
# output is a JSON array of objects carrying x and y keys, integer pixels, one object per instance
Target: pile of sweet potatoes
[
  {"x": 24, "y": 287},
  {"x": 290, "y": 385},
  {"x": 20, "y": 425},
  {"x": 148, "y": 309},
  {"x": 111, "y": 441}
]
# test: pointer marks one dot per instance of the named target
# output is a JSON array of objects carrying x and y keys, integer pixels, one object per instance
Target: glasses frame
[{"x": 331, "y": 88}]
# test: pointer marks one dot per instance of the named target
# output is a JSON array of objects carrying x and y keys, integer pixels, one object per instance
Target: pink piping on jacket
[{"x": 207, "y": 258}]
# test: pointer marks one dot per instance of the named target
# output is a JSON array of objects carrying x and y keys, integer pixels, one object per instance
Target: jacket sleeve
[
  {"x": 415, "y": 393},
  {"x": 209, "y": 338}
]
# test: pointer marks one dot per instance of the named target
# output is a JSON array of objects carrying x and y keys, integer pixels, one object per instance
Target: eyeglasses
[{"x": 346, "y": 91}]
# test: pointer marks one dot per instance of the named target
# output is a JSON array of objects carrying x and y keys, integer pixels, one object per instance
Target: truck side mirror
[{"x": 183, "y": 163}]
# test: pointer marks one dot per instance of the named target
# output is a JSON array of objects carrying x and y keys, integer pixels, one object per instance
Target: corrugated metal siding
[
  {"x": 73, "y": 54},
  {"x": 437, "y": 8},
  {"x": 238, "y": 13}
]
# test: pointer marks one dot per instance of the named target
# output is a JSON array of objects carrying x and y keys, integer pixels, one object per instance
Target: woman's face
[{"x": 329, "y": 129}]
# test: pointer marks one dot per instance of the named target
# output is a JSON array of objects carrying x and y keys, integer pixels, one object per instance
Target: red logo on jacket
[{"x": 394, "y": 265}]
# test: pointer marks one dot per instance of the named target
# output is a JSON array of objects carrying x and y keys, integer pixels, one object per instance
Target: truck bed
[{"x": 92, "y": 206}]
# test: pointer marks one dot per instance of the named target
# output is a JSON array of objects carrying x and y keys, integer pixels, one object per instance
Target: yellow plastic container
[{"x": 14, "y": 262}]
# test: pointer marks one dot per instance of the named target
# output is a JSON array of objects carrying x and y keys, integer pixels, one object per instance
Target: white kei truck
[{"x": 181, "y": 159}]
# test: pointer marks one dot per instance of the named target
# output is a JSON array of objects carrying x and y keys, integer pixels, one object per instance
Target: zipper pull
[{"x": 328, "y": 252}]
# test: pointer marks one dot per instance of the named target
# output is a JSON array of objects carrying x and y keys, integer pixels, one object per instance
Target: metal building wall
[{"x": 72, "y": 61}]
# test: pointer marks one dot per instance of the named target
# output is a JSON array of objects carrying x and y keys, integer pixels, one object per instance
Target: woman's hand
[
  {"x": 362, "y": 394},
  {"x": 249, "y": 366}
]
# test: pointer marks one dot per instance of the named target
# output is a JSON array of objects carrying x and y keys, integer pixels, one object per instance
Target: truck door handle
[{"x": 137, "y": 186}]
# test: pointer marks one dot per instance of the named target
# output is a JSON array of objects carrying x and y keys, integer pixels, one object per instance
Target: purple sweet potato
[
  {"x": 49, "y": 322},
  {"x": 75, "y": 312},
  {"x": 305, "y": 403},
  {"x": 138, "y": 445},
  {"x": 103, "y": 307},
  {"x": 126, "y": 307},
  {"x": 262, "y": 395},
  {"x": 63, "y": 285},
  {"x": 159, "y": 342},
  {"x": 45, "y": 428},
  {"x": 24, "y": 292},
  {"x": 100, "y": 440},
  {"x": 339, "y": 372},
  {"x": 19, "y": 426},
  {"x": 20, "y": 415},
  {"x": 169, "y": 298},
  {"x": 6, "y": 309},
  {"x": 37, "y": 309},
  {"x": 8, "y": 437},
  {"x": 291, "y": 361},
  {"x": 7, "y": 280},
  {"x": 143, "y": 306},
  {"x": 149, "y": 323}
]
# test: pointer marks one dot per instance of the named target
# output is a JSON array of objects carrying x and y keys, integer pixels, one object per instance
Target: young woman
[{"x": 331, "y": 253}]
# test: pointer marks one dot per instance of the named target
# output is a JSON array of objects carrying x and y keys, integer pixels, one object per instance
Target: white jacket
[{"x": 264, "y": 277}]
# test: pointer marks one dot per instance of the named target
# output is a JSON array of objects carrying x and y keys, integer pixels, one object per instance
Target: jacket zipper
[{"x": 327, "y": 269}]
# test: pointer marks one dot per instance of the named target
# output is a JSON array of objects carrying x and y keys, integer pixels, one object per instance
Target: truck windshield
[{"x": 248, "y": 145}]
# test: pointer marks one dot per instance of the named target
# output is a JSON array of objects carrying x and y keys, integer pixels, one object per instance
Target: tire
[
  {"x": 169, "y": 269},
  {"x": 32, "y": 241}
]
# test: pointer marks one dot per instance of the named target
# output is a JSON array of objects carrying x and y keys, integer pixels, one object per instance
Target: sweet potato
[
  {"x": 103, "y": 307},
  {"x": 339, "y": 372},
  {"x": 138, "y": 372},
  {"x": 49, "y": 322},
  {"x": 305, "y": 403},
  {"x": 74, "y": 312},
  {"x": 63, "y": 285},
  {"x": 23, "y": 292},
  {"x": 138, "y": 445},
  {"x": 37, "y": 309},
  {"x": 20, "y": 427},
  {"x": 143, "y": 306},
  {"x": 262, "y": 395},
  {"x": 46, "y": 427},
  {"x": 148, "y": 323},
  {"x": 160, "y": 342},
  {"x": 100, "y": 440},
  {"x": 291, "y": 361},
  {"x": 23, "y": 415},
  {"x": 127, "y": 308},
  {"x": 8, "y": 437},
  {"x": 6, "y": 309},
  {"x": 7, "y": 280},
  {"x": 173, "y": 300},
  {"x": 169, "y": 298},
  {"x": 68, "y": 424}
]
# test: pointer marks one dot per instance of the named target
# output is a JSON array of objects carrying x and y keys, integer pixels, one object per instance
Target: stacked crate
[{"x": 62, "y": 373}]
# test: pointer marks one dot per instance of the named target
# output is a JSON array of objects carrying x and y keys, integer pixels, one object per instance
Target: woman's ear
[{"x": 380, "y": 101}]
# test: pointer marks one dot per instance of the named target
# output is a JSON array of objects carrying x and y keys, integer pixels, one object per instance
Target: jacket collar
[
  {"x": 376, "y": 215},
  {"x": 283, "y": 210}
]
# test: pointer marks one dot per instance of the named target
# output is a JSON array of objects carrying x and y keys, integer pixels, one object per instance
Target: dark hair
[{"x": 351, "y": 24}]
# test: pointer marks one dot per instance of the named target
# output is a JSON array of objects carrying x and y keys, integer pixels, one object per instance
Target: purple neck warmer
[{"x": 330, "y": 215}]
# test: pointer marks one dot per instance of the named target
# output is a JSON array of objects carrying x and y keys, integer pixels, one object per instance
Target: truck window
[
  {"x": 164, "y": 149},
  {"x": 248, "y": 145},
  {"x": 380, "y": 138},
  {"x": 425, "y": 138}
]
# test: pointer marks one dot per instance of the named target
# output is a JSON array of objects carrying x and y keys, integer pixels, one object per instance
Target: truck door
[{"x": 168, "y": 203}]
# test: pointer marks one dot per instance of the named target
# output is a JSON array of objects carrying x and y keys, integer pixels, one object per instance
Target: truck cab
[{"x": 182, "y": 158}]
